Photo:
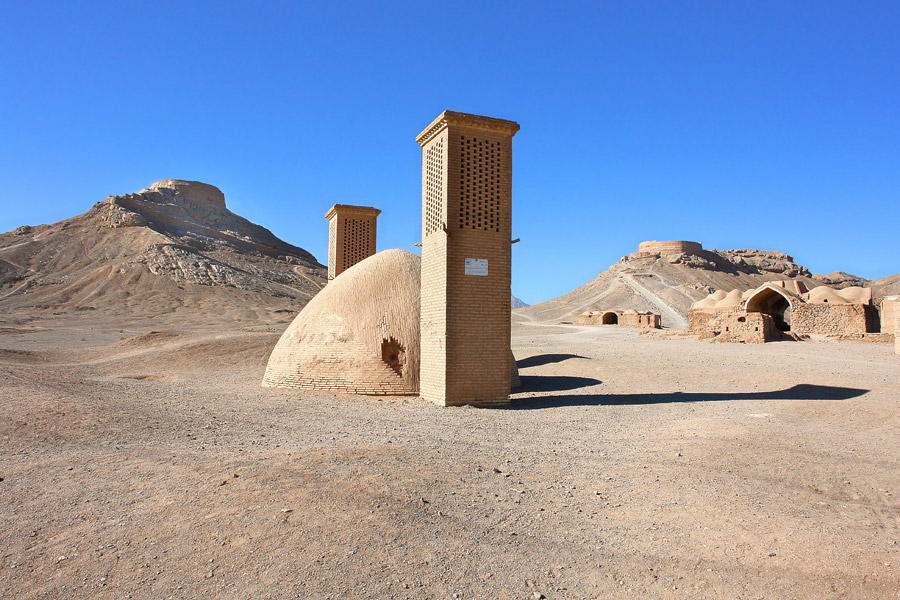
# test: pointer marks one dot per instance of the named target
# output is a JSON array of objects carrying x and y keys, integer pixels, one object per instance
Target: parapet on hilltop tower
[
  {"x": 466, "y": 259},
  {"x": 351, "y": 236}
]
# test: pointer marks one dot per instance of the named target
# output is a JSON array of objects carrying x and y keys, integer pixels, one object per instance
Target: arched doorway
[
  {"x": 610, "y": 318},
  {"x": 773, "y": 303}
]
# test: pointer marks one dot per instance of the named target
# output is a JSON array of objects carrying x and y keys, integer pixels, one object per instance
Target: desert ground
[{"x": 143, "y": 460}]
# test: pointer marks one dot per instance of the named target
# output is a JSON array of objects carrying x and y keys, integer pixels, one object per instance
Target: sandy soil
[{"x": 152, "y": 465}]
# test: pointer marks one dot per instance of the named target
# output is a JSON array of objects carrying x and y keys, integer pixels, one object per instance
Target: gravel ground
[{"x": 153, "y": 465}]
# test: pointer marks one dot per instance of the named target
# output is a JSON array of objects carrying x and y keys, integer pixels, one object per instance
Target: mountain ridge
[
  {"x": 170, "y": 246},
  {"x": 667, "y": 281}
]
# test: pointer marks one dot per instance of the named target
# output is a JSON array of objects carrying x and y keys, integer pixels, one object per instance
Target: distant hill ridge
[
  {"x": 667, "y": 277},
  {"x": 171, "y": 245}
]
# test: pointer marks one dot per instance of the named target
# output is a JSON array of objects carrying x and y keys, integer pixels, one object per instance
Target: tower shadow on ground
[
  {"x": 803, "y": 391},
  {"x": 545, "y": 359}
]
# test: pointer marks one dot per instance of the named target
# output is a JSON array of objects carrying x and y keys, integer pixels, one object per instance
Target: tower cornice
[{"x": 468, "y": 121}]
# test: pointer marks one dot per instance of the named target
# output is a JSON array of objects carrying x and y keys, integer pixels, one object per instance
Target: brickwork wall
[
  {"x": 433, "y": 377},
  {"x": 897, "y": 332},
  {"x": 352, "y": 232},
  {"x": 466, "y": 326},
  {"x": 732, "y": 324},
  {"x": 828, "y": 319},
  {"x": 890, "y": 307},
  {"x": 701, "y": 320},
  {"x": 332, "y": 248},
  {"x": 670, "y": 247}
]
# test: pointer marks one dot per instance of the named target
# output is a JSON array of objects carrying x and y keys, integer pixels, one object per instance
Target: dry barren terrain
[{"x": 145, "y": 461}]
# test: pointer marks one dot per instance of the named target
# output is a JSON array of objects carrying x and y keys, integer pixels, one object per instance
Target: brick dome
[{"x": 360, "y": 334}]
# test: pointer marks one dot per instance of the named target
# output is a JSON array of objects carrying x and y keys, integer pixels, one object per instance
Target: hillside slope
[
  {"x": 168, "y": 247},
  {"x": 669, "y": 283}
]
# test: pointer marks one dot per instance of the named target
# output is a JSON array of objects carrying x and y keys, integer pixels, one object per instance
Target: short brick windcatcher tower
[
  {"x": 466, "y": 259},
  {"x": 351, "y": 236}
]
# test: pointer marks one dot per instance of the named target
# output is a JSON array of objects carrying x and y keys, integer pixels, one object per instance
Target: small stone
[
  {"x": 496, "y": 470},
  {"x": 287, "y": 510},
  {"x": 223, "y": 483},
  {"x": 537, "y": 596},
  {"x": 770, "y": 554}
]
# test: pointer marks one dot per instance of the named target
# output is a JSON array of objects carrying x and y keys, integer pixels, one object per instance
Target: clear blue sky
[{"x": 771, "y": 125}]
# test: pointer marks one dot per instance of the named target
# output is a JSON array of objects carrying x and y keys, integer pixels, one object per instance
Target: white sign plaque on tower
[{"x": 477, "y": 266}]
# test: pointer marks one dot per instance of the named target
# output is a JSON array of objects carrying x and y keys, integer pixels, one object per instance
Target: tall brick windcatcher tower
[
  {"x": 351, "y": 236},
  {"x": 466, "y": 256}
]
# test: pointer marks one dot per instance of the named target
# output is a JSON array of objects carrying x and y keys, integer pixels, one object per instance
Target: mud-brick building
[
  {"x": 784, "y": 306},
  {"x": 623, "y": 318}
]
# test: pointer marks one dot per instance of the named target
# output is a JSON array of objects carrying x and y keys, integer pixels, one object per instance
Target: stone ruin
[
  {"x": 779, "y": 309},
  {"x": 439, "y": 326},
  {"x": 693, "y": 255},
  {"x": 622, "y": 318},
  {"x": 655, "y": 249}
]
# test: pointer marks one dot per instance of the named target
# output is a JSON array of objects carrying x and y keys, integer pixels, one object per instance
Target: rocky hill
[
  {"x": 667, "y": 277},
  {"x": 170, "y": 246}
]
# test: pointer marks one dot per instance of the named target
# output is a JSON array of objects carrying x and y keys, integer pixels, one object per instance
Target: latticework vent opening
[
  {"x": 434, "y": 187},
  {"x": 356, "y": 241},
  {"x": 480, "y": 184},
  {"x": 332, "y": 245}
]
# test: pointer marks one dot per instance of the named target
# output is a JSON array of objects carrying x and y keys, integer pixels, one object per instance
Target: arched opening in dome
[
  {"x": 394, "y": 355},
  {"x": 610, "y": 318},
  {"x": 773, "y": 303}
]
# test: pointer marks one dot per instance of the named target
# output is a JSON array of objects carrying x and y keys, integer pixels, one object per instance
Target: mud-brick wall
[
  {"x": 638, "y": 320},
  {"x": 702, "y": 320},
  {"x": 670, "y": 247},
  {"x": 890, "y": 307},
  {"x": 750, "y": 328},
  {"x": 733, "y": 325},
  {"x": 897, "y": 331},
  {"x": 828, "y": 318}
]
